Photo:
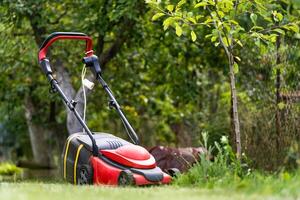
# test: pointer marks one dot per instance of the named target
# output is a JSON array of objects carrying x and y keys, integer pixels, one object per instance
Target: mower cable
[
  {"x": 83, "y": 72},
  {"x": 126, "y": 129}
]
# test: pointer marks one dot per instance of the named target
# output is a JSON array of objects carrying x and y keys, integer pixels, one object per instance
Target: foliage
[
  {"x": 173, "y": 85},
  {"x": 152, "y": 112},
  {"x": 283, "y": 184},
  {"x": 226, "y": 172},
  {"x": 226, "y": 19},
  {"x": 211, "y": 170},
  {"x": 8, "y": 169},
  {"x": 226, "y": 23}
]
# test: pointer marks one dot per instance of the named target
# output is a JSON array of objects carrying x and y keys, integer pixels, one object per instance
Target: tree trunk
[
  {"x": 234, "y": 107},
  {"x": 64, "y": 81},
  {"x": 73, "y": 125},
  {"x": 182, "y": 137},
  {"x": 39, "y": 135},
  {"x": 278, "y": 96},
  {"x": 235, "y": 116}
]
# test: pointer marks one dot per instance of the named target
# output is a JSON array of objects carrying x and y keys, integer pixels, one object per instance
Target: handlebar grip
[{"x": 65, "y": 36}]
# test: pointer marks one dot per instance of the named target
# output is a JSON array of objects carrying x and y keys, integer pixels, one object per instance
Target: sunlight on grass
[{"x": 32, "y": 191}]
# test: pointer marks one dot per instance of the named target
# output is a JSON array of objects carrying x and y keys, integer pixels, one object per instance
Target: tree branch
[
  {"x": 111, "y": 52},
  {"x": 59, "y": 17}
]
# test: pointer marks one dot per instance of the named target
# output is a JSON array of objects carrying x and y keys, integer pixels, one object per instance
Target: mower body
[{"x": 119, "y": 162}]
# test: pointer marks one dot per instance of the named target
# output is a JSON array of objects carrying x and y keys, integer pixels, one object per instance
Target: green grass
[
  {"x": 224, "y": 178},
  {"x": 226, "y": 173},
  {"x": 281, "y": 185},
  {"x": 51, "y": 191},
  {"x": 54, "y": 191}
]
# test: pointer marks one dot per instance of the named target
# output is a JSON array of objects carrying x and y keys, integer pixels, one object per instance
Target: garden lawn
[{"x": 55, "y": 191}]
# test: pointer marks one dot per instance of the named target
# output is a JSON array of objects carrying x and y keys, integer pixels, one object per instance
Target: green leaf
[
  {"x": 281, "y": 105},
  {"x": 170, "y": 8},
  {"x": 253, "y": 18},
  {"x": 201, "y": 4},
  {"x": 191, "y": 19},
  {"x": 199, "y": 17},
  {"x": 226, "y": 5},
  {"x": 168, "y": 22},
  {"x": 208, "y": 20},
  {"x": 279, "y": 16},
  {"x": 208, "y": 35},
  {"x": 221, "y": 14},
  {"x": 273, "y": 37},
  {"x": 235, "y": 68},
  {"x": 194, "y": 36},
  {"x": 237, "y": 58},
  {"x": 294, "y": 27},
  {"x": 178, "y": 30},
  {"x": 239, "y": 43},
  {"x": 157, "y": 15},
  {"x": 280, "y": 31},
  {"x": 257, "y": 28},
  {"x": 180, "y": 3},
  {"x": 213, "y": 38},
  {"x": 226, "y": 41},
  {"x": 234, "y": 22}
]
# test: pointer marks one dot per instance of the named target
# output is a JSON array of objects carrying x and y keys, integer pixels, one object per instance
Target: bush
[
  {"x": 224, "y": 168},
  {"x": 7, "y": 169},
  {"x": 225, "y": 171}
]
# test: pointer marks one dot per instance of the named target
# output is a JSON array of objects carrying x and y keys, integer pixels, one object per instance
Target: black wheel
[
  {"x": 126, "y": 178},
  {"x": 85, "y": 175},
  {"x": 174, "y": 172}
]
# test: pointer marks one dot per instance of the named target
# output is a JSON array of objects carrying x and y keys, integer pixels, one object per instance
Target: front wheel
[{"x": 126, "y": 178}]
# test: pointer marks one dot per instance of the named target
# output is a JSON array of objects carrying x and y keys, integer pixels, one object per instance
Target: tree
[
  {"x": 43, "y": 17},
  {"x": 171, "y": 88},
  {"x": 224, "y": 19}
]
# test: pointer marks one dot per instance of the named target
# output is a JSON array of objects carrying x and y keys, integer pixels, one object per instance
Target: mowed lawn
[{"x": 54, "y": 191}]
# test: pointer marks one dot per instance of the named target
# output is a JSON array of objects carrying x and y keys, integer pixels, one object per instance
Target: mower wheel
[
  {"x": 126, "y": 178},
  {"x": 173, "y": 172},
  {"x": 85, "y": 175}
]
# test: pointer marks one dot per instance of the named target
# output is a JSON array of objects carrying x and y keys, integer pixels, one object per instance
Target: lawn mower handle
[
  {"x": 65, "y": 36},
  {"x": 92, "y": 62},
  {"x": 45, "y": 65}
]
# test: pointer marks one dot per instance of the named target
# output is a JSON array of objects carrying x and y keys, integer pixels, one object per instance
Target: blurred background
[{"x": 171, "y": 89}]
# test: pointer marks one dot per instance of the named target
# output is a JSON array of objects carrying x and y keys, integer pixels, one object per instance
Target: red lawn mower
[{"x": 94, "y": 157}]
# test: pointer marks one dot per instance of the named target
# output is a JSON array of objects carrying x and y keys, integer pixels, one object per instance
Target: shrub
[
  {"x": 224, "y": 168},
  {"x": 8, "y": 169}
]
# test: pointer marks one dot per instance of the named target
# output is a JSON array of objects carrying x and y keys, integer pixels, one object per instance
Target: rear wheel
[
  {"x": 85, "y": 175},
  {"x": 126, "y": 178},
  {"x": 173, "y": 172}
]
